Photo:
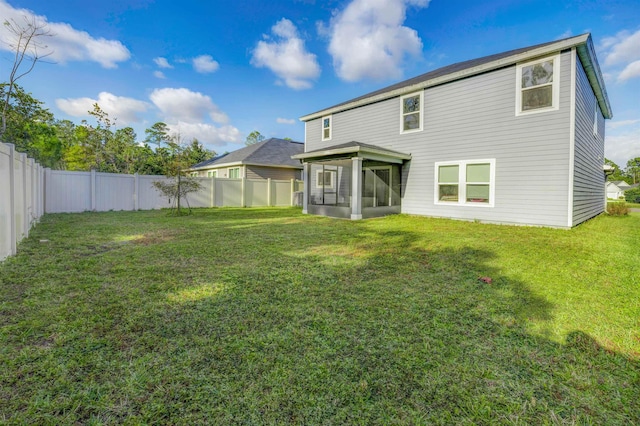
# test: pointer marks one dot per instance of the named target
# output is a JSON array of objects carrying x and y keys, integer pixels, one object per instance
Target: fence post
[
  {"x": 93, "y": 190},
  {"x": 242, "y": 193},
  {"x": 293, "y": 189},
  {"x": 136, "y": 192},
  {"x": 12, "y": 203},
  {"x": 25, "y": 201},
  {"x": 47, "y": 185},
  {"x": 269, "y": 192},
  {"x": 213, "y": 191}
]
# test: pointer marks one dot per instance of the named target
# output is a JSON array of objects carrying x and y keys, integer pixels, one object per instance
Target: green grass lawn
[{"x": 266, "y": 316}]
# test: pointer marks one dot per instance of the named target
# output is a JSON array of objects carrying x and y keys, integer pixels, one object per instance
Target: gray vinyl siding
[
  {"x": 469, "y": 119},
  {"x": 589, "y": 180},
  {"x": 278, "y": 173}
]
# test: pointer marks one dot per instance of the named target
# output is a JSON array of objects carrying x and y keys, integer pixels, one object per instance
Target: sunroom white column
[
  {"x": 306, "y": 180},
  {"x": 356, "y": 188}
]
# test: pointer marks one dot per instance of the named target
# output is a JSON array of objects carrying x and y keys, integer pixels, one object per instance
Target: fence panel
[
  {"x": 114, "y": 192},
  {"x": 256, "y": 193},
  {"x": 19, "y": 194},
  {"x": 228, "y": 193},
  {"x": 67, "y": 192},
  {"x": 281, "y": 192},
  {"x": 148, "y": 196},
  {"x": 21, "y": 197},
  {"x": 201, "y": 198},
  {"x": 6, "y": 201}
]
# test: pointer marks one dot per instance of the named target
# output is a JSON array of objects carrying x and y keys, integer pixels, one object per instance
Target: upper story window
[
  {"x": 411, "y": 113},
  {"x": 469, "y": 182},
  {"x": 234, "y": 173},
  {"x": 326, "y": 128},
  {"x": 537, "y": 85}
]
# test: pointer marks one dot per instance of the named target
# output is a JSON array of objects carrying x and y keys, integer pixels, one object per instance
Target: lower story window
[
  {"x": 467, "y": 182},
  {"x": 234, "y": 173},
  {"x": 212, "y": 173}
]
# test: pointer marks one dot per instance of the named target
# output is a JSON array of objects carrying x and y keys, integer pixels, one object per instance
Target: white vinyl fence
[
  {"x": 70, "y": 192},
  {"x": 21, "y": 197},
  {"x": 27, "y": 191}
]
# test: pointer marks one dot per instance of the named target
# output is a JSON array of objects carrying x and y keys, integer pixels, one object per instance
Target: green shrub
[
  {"x": 617, "y": 209},
  {"x": 632, "y": 195}
]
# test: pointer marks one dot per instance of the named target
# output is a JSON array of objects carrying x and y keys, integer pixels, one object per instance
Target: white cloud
[
  {"x": 622, "y": 51},
  {"x": 205, "y": 133},
  {"x": 66, "y": 43},
  {"x": 623, "y": 147},
  {"x": 630, "y": 71},
  {"x": 205, "y": 64},
  {"x": 285, "y": 120},
  {"x": 186, "y": 113},
  {"x": 286, "y": 56},
  {"x": 184, "y": 105},
  {"x": 568, "y": 33},
  {"x": 159, "y": 74},
  {"x": 368, "y": 40},
  {"x": 125, "y": 110},
  {"x": 622, "y": 123},
  {"x": 162, "y": 62}
]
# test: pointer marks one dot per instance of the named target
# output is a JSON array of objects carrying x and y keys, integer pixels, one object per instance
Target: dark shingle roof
[
  {"x": 271, "y": 152},
  {"x": 501, "y": 59}
]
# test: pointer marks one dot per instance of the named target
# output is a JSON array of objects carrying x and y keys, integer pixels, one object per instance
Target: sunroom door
[{"x": 377, "y": 187}]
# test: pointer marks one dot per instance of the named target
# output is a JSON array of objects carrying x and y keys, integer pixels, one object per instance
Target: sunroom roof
[{"x": 354, "y": 149}]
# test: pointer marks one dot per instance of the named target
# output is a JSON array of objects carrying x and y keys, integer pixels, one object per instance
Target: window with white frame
[
  {"x": 234, "y": 173},
  {"x": 325, "y": 179},
  {"x": 326, "y": 128},
  {"x": 469, "y": 182},
  {"x": 212, "y": 173},
  {"x": 193, "y": 174},
  {"x": 411, "y": 113},
  {"x": 537, "y": 85}
]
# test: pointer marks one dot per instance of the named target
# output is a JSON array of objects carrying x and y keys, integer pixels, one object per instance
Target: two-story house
[{"x": 516, "y": 137}]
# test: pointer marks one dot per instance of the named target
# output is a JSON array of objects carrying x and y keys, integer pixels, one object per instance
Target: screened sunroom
[{"x": 352, "y": 181}]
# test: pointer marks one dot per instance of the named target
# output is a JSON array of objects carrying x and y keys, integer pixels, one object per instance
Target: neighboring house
[
  {"x": 614, "y": 191},
  {"x": 269, "y": 159},
  {"x": 622, "y": 184},
  {"x": 516, "y": 137}
]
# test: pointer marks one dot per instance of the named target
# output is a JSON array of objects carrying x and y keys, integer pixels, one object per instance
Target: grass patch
[{"x": 266, "y": 316}]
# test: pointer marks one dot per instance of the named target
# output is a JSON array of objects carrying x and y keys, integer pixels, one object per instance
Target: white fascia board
[
  {"x": 351, "y": 150},
  {"x": 587, "y": 56},
  {"x": 218, "y": 165},
  {"x": 489, "y": 66}
]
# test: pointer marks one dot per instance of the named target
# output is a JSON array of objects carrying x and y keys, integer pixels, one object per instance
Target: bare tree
[{"x": 26, "y": 43}]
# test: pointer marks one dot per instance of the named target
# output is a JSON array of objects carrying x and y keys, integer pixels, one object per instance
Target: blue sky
[{"x": 219, "y": 70}]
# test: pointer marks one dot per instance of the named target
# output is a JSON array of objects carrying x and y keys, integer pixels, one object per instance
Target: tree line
[{"x": 64, "y": 145}]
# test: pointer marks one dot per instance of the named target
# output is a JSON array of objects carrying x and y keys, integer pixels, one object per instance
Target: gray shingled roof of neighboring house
[
  {"x": 464, "y": 69},
  {"x": 271, "y": 152}
]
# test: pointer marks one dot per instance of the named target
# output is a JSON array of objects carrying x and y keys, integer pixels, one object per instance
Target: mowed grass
[{"x": 266, "y": 316}]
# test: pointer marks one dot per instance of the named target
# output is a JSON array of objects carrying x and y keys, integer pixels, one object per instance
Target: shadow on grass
[{"x": 321, "y": 321}]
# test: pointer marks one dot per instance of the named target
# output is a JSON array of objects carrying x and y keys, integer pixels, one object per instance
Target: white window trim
[
  {"x": 320, "y": 183},
  {"x": 212, "y": 173},
  {"x": 555, "y": 87},
  {"x": 239, "y": 172},
  {"x": 330, "y": 127},
  {"x": 421, "y": 112},
  {"x": 462, "y": 183}
]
